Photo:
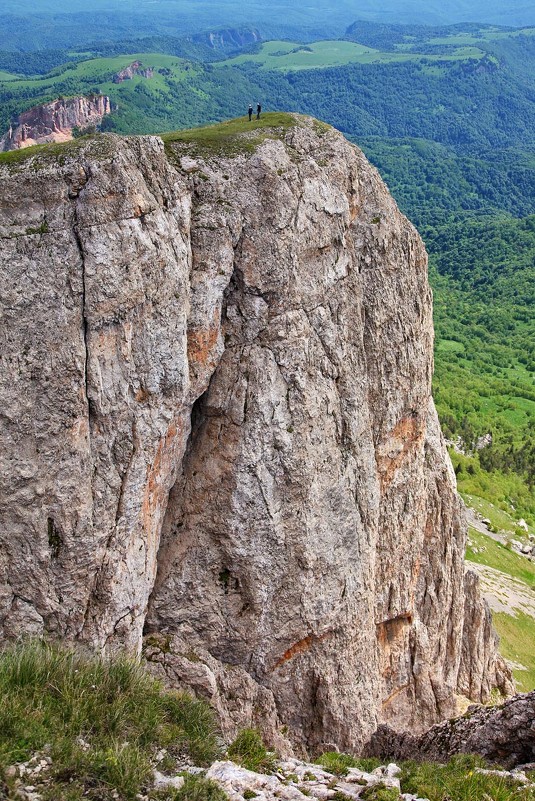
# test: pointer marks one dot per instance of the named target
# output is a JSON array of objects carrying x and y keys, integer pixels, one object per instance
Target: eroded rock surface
[
  {"x": 503, "y": 734},
  {"x": 217, "y": 427},
  {"x": 54, "y": 122}
]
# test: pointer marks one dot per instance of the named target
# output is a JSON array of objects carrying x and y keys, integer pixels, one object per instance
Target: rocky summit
[{"x": 218, "y": 436}]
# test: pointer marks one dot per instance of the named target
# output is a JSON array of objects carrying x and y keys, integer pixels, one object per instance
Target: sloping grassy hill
[
  {"x": 508, "y": 581},
  {"x": 289, "y": 56}
]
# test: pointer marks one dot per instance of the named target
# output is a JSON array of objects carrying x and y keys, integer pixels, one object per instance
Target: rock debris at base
[
  {"x": 291, "y": 780},
  {"x": 295, "y": 781},
  {"x": 504, "y": 735}
]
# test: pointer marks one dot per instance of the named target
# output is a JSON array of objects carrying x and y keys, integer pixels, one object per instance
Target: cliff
[
  {"x": 227, "y": 39},
  {"x": 218, "y": 429},
  {"x": 133, "y": 69},
  {"x": 54, "y": 122}
]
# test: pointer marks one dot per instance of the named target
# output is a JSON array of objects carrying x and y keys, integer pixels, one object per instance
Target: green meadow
[{"x": 290, "y": 56}]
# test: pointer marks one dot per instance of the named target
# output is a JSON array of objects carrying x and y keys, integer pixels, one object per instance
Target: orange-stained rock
[{"x": 54, "y": 122}]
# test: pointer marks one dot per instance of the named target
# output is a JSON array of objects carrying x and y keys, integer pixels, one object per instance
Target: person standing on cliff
[
  {"x": 258, "y": 110},
  {"x": 250, "y": 112}
]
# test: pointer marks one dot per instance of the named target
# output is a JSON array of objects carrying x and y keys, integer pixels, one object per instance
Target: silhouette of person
[
  {"x": 250, "y": 111},
  {"x": 258, "y": 110}
]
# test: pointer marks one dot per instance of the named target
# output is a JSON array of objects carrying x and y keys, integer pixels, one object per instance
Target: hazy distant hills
[{"x": 72, "y": 23}]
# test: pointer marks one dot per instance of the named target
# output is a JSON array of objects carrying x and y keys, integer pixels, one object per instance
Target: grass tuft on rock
[
  {"x": 249, "y": 751},
  {"x": 100, "y": 722},
  {"x": 232, "y": 137},
  {"x": 339, "y": 763},
  {"x": 198, "y": 788}
]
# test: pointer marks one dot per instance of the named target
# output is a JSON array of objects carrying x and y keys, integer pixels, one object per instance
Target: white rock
[
  {"x": 236, "y": 780},
  {"x": 161, "y": 781},
  {"x": 379, "y": 776}
]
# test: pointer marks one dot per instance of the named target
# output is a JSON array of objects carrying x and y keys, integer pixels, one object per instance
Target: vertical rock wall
[{"x": 216, "y": 392}]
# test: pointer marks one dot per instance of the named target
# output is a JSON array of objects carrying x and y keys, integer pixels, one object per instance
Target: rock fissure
[{"x": 85, "y": 324}]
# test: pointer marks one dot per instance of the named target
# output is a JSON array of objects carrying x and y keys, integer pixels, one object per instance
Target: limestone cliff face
[
  {"x": 217, "y": 429},
  {"x": 54, "y": 122}
]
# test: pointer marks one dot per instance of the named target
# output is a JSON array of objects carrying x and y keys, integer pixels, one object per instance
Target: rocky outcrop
[
  {"x": 504, "y": 735},
  {"x": 228, "y": 39},
  {"x": 217, "y": 427},
  {"x": 135, "y": 68},
  {"x": 480, "y": 670},
  {"x": 54, "y": 122}
]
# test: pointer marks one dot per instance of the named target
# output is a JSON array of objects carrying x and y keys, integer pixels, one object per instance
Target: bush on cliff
[
  {"x": 249, "y": 751},
  {"x": 97, "y": 723}
]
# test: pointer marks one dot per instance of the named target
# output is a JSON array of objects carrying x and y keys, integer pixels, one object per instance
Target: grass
[
  {"x": 501, "y": 558},
  {"x": 197, "y": 788},
  {"x": 100, "y": 722},
  {"x": 103, "y": 69},
  {"x": 379, "y": 792},
  {"x": 500, "y": 518},
  {"x": 459, "y": 781},
  {"x": 517, "y": 643},
  {"x": 97, "y": 147},
  {"x": 287, "y": 56},
  {"x": 249, "y": 751},
  {"x": 234, "y": 136},
  {"x": 516, "y": 631},
  {"x": 339, "y": 763}
]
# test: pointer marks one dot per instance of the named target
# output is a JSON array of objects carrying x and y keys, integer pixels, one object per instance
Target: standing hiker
[
  {"x": 258, "y": 110},
  {"x": 250, "y": 111}
]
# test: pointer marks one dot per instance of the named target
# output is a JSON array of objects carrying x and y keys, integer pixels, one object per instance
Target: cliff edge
[{"x": 218, "y": 431}]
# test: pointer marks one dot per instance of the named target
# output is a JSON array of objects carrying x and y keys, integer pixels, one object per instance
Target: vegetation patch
[
  {"x": 517, "y": 644},
  {"x": 494, "y": 554},
  {"x": 249, "y": 751},
  {"x": 339, "y": 763},
  {"x": 99, "y": 722},
  {"x": 234, "y": 136},
  {"x": 459, "y": 780},
  {"x": 95, "y": 146},
  {"x": 379, "y": 792},
  {"x": 197, "y": 788}
]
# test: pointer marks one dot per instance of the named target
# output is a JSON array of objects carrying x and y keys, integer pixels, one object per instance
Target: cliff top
[
  {"x": 235, "y": 136},
  {"x": 229, "y": 138}
]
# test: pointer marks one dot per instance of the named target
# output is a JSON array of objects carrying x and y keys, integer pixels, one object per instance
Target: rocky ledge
[{"x": 504, "y": 735}]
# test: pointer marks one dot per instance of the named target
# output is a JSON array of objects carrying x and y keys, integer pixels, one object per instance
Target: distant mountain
[{"x": 74, "y": 23}]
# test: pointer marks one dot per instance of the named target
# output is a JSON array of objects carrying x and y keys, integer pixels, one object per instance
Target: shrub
[{"x": 249, "y": 751}]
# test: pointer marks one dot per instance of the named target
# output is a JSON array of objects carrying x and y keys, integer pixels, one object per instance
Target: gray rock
[
  {"x": 217, "y": 426},
  {"x": 161, "y": 781},
  {"x": 502, "y": 734}
]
